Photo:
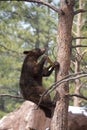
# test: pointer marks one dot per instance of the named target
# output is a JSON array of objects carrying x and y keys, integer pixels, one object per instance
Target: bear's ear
[{"x": 26, "y": 52}]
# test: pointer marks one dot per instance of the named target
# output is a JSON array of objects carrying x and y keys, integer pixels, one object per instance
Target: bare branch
[
  {"x": 12, "y": 96},
  {"x": 76, "y": 95},
  {"x": 79, "y": 46},
  {"x": 47, "y": 4},
  {"x": 65, "y": 79},
  {"x": 74, "y": 33},
  {"x": 79, "y": 38},
  {"x": 68, "y": 78},
  {"x": 79, "y": 11}
]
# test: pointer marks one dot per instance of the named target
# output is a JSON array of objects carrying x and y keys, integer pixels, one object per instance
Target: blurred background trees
[
  {"x": 79, "y": 53},
  {"x": 23, "y": 26}
]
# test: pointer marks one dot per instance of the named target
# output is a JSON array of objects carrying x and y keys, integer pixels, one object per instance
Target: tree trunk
[
  {"x": 60, "y": 121},
  {"x": 78, "y": 56}
]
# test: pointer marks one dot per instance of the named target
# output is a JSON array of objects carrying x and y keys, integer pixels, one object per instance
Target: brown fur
[{"x": 31, "y": 79}]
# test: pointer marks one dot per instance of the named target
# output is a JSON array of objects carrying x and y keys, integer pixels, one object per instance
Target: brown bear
[{"x": 31, "y": 79}]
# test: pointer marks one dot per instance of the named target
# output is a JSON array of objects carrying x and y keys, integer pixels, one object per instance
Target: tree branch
[
  {"x": 12, "y": 96},
  {"x": 74, "y": 33},
  {"x": 79, "y": 11},
  {"x": 79, "y": 46},
  {"x": 59, "y": 11},
  {"x": 65, "y": 79},
  {"x": 76, "y": 95},
  {"x": 79, "y": 38}
]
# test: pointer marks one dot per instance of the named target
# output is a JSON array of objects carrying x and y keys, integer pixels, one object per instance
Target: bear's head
[{"x": 37, "y": 52}]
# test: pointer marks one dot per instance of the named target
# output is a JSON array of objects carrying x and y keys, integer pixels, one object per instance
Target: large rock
[
  {"x": 77, "y": 122},
  {"x": 25, "y": 118},
  {"x": 28, "y": 117}
]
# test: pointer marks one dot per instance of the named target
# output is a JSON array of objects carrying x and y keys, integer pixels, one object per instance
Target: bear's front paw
[{"x": 56, "y": 64}]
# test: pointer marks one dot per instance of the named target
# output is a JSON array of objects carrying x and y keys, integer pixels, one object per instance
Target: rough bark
[
  {"x": 60, "y": 118},
  {"x": 78, "y": 56}
]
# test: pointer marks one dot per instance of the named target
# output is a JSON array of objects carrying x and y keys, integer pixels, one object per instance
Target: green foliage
[
  {"x": 23, "y": 26},
  {"x": 2, "y": 113}
]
